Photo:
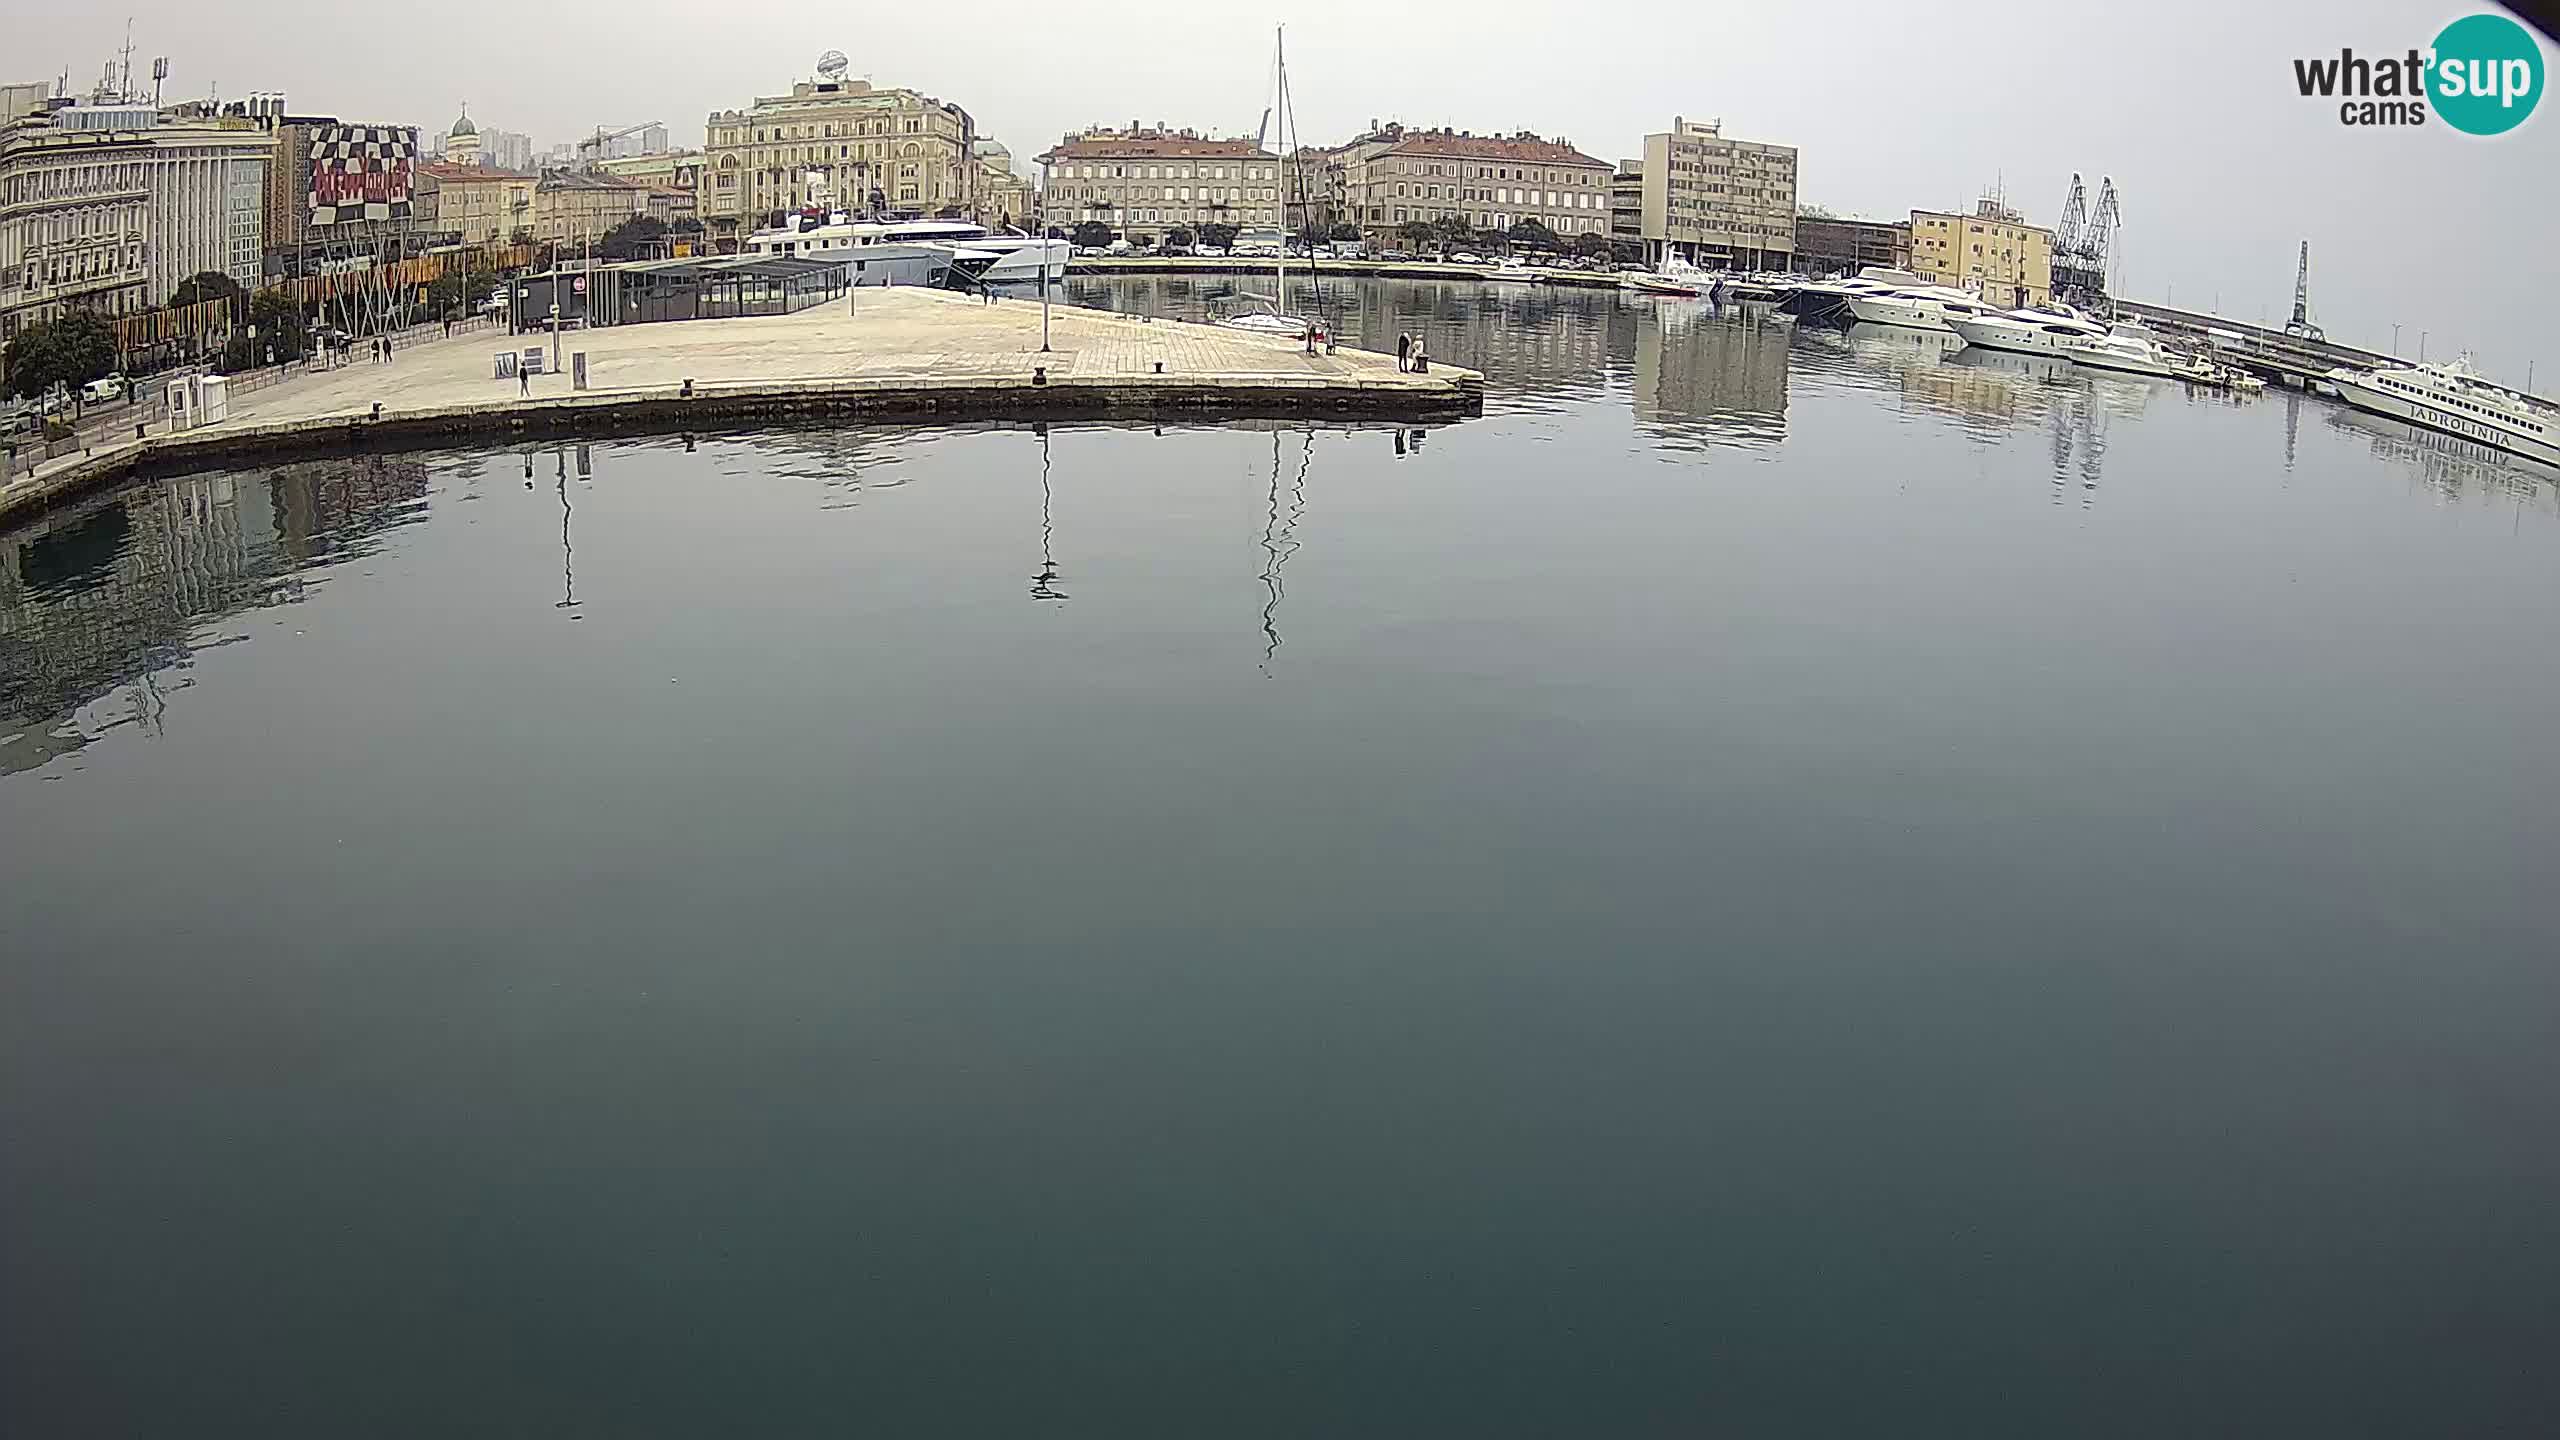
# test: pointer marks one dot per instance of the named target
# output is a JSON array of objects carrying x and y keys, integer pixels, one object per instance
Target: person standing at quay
[{"x": 1404, "y": 350}]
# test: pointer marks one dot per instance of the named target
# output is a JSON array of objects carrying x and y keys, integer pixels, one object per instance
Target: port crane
[
  {"x": 2300, "y": 326},
  {"x": 2081, "y": 243}
]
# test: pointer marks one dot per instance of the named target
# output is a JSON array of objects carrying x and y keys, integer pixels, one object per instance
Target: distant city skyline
[{"x": 2224, "y": 167}]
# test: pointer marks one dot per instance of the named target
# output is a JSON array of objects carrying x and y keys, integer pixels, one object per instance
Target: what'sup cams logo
[{"x": 2482, "y": 76}]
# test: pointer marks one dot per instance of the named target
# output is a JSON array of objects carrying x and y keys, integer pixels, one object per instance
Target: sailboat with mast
[{"x": 1271, "y": 315}]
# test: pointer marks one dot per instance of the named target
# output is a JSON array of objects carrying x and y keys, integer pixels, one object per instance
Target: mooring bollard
[
  {"x": 377, "y": 409},
  {"x": 1039, "y": 374},
  {"x": 688, "y": 387},
  {"x": 1159, "y": 367}
]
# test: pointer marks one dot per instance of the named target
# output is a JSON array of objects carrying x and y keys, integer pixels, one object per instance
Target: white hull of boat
[
  {"x": 1266, "y": 323},
  {"x": 2355, "y": 391},
  {"x": 1908, "y": 314},
  {"x": 2011, "y": 336},
  {"x": 2158, "y": 367},
  {"x": 1656, "y": 285},
  {"x": 1024, "y": 262}
]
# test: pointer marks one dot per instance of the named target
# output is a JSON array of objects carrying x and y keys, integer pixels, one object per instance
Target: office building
[
  {"x": 839, "y": 142},
  {"x": 1392, "y": 176},
  {"x": 1721, "y": 203}
]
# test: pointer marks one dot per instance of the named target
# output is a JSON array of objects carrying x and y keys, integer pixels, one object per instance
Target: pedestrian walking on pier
[
  {"x": 1404, "y": 350},
  {"x": 524, "y": 381}
]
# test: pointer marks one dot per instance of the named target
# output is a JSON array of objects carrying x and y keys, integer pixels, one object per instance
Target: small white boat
[
  {"x": 2132, "y": 350},
  {"x": 1513, "y": 270},
  {"x": 1674, "y": 276}
]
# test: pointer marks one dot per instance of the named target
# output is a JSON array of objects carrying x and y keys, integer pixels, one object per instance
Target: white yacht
[
  {"x": 1922, "y": 307},
  {"x": 1512, "y": 270},
  {"x": 2133, "y": 350},
  {"x": 2028, "y": 331},
  {"x": 2456, "y": 400},
  {"x": 1271, "y": 314},
  {"x": 960, "y": 244},
  {"x": 1868, "y": 281}
]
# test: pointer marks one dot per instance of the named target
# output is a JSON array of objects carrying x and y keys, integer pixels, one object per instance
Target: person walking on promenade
[
  {"x": 1404, "y": 350},
  {"x": 524, "y": 381}
]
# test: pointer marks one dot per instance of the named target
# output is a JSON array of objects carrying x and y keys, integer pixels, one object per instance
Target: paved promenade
[{"x": 910, "y": 350}]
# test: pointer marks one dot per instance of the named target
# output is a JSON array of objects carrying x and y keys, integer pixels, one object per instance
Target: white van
[{"x": 102, "y": 390}]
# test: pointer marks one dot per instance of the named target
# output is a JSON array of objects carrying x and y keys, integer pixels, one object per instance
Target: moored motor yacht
[
  {"x": 990, "y": 256},
  {"x": 2133, "y": 350},
  {"x": 2028, "y": 331},
  {"x": 1923, "y": 307},
  {"x": 2457, "y": 400}
]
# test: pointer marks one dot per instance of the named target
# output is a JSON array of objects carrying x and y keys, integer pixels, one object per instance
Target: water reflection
[
  {"x": 95, "y": 599},
  {"x": 1700, "y": 378},
  {"x": 1044, "y": 582},
  {"x": 1280, "y": 535},
  {"x": 2453, "y": 468}
]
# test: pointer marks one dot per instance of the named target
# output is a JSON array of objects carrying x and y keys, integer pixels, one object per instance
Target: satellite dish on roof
[{"x": 832, "y": 65}]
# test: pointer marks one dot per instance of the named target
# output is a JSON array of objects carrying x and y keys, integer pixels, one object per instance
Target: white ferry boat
[
  {"x": 2456, "y": 400},
  {"x": 956, "y": 244}
]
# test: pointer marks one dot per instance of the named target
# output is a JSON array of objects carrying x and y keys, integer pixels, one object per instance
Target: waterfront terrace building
[
  {"x": 1144, "y": 181},
  {"x": 860, "y": 148},
  {"x": 1392, "y": 176},
  {"x": 1717, "y": 202},
  {"x": 1829, "y": 245},
  {"x": 1994, "y": 248}
]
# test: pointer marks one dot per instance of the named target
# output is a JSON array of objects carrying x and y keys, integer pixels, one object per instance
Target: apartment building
[
  {"x": 1392, "y": 176},
  {"x": 1143, "y": 181},
  {"x": 75, "y": 218},
  {"x": 483, "y": 206},
  {"x": 1993, "y": 249}
]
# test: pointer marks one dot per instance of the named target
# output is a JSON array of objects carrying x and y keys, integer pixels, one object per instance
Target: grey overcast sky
[{"x": 2189, "y": 104}]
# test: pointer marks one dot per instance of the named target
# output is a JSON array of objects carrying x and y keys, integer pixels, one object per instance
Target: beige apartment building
[
  {"x": 570, "y": 207},
  {"x": 1993, "y": 250},
  {"x": 483, "y": 206},
  {"x": 1391, "y": 176},
  {"x": 1143, "y": 181},
  {"x": 665, "y": 170},
  {"x": 1004, "y": 197},
  {"x": 841, "y": 142},
  {"x": 1718, "y": 202}
]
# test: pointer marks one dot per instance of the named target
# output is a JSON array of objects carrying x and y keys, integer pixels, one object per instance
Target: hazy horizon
[{"x": 2222, "y": 166}]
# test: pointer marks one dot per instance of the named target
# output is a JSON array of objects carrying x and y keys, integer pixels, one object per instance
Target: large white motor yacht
[
  {"x": 1923, "y": 307},
  {"x": 2456, "y": 400},
  {"x": 2029, "y": 331},
  {"x": 992, "y": 257}
]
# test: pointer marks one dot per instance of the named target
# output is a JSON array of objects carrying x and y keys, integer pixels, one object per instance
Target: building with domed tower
[
  {"x": 462, "y": 142},
  {"x": 843, "y": 143}
]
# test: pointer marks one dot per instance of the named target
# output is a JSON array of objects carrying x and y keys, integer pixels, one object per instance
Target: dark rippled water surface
[{"x": 1773, "y": 884}]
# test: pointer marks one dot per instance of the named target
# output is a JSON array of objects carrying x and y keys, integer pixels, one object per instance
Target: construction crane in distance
[
  {"x": 2300, "y": 326},
  {"x": 2081, "y": 243},
  {"x": 591, "y": 149}
]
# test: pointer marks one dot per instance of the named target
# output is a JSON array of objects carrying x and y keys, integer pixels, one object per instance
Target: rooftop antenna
[
  {"x": 159, "y": 73},
  {"x": 124, "y": 71}
]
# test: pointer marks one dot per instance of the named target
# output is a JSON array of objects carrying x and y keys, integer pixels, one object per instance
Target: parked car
[
  {"x": 103, "y": 390},
  {"x": 1467, "y": 257}
]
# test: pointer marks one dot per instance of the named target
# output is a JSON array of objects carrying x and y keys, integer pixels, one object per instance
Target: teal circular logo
[{"x": 2485, "y": 76}]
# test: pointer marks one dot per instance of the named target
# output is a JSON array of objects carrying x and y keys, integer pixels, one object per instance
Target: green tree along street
[
  {"x": 1178, "y": 238},
  {"x": 1592, "y": 244},
  {"x": 1218, "y": 235},
  {"x": 278, "y": 323},
  {"x": 1343, "y": 232},
  {"x": 1092, "y": 235},
  {"x": 1418, "y": 233},
  {"x": 70, "y": 351}
]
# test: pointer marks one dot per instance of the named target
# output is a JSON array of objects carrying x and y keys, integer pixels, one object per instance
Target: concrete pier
[{"x": 897, "y": 353}]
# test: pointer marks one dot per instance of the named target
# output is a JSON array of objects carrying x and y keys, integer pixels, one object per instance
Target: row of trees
[{"x": 1452, "y": 232}]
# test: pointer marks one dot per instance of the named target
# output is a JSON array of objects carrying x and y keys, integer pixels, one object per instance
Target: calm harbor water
[{"x": 1775, "y": 883}]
